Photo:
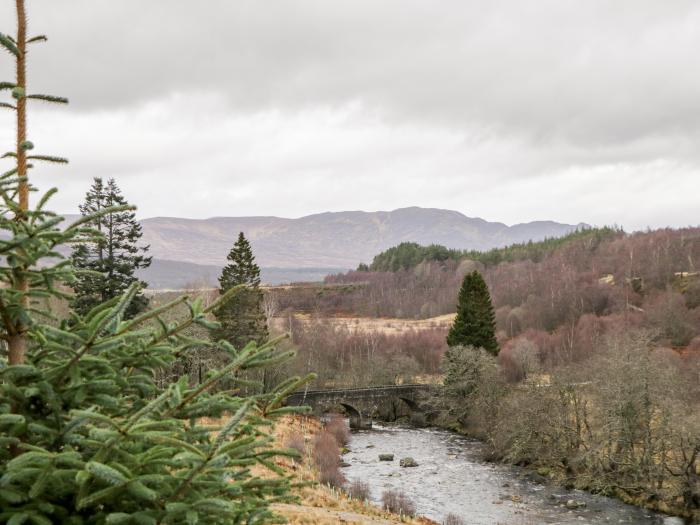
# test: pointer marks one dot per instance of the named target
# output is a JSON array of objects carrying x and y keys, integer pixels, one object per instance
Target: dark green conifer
[
  {"x": 107, "y": 264},
  {"x": 242, "y": 318},
  {"x": 475, "y": 324}
]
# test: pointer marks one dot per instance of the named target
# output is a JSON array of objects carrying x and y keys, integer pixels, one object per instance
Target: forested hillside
[
  {"x": 559, "y": 296},
  {"x": 545, "y": 291},
  {"x": 608, "y": 322}
]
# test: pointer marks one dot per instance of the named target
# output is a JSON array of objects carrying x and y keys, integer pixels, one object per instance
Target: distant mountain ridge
[
  {"x": 332, "y": 239},
  {"x": 187, "y": 251}
]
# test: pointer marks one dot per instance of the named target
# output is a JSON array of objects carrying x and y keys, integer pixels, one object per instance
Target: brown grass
[{"x": 386, "y": 326}]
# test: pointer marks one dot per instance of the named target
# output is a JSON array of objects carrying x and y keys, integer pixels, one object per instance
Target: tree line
[{"x": 408, "y": 255}]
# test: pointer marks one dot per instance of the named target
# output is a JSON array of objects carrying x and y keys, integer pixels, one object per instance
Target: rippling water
[{"x": 450, "y": 478}]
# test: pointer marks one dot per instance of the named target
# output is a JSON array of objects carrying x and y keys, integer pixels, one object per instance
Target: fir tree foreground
[
  {"x": 107, "y": 265},
  {"x": 475, "y": 324},
  {"x": 87, "y": 436}
]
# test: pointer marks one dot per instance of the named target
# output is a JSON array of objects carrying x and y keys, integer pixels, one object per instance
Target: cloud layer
[{"x": 513, "y": 111}]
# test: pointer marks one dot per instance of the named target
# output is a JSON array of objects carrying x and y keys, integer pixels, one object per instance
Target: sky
[{"x": 574, "y": 111}]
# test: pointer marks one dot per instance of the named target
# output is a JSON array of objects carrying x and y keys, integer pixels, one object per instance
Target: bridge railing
[{"x": 367, "y": 389}]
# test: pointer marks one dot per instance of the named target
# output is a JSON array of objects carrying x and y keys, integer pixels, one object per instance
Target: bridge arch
[{"x": 350, "y": 410}]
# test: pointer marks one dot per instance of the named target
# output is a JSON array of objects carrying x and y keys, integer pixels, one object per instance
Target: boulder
[
  {"x": 408, "y": 462},
  {"x": 386, "y": 457}
]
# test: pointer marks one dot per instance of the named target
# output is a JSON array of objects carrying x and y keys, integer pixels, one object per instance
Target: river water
[{"x": 451, "y": 478}]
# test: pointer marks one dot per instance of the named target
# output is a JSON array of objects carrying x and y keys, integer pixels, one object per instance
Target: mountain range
[{"x": 305, "y": 249}]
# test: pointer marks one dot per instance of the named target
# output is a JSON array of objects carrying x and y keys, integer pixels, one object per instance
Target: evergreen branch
[
  {"x": 133, "y": 420},
  {"x": 48, "y": 158},
  {"x": 38, "y": 38},
  {"x": 88, "y": 414},
  {"x": 7, "y": 85},
  {"x": 98, "y": 324},
  {"x": 45, "y": 198},
  {"x": 225, "y": 432},
  {"x": 231, "y": 425},
  {"x": 7, "y": 106},
  {"x": 49, "y": 98},
  {"x": 9, "y": 44},
  {"x": 236, "y": 364}
]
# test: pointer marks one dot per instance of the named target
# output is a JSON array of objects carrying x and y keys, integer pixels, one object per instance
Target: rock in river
[{"x": 408, "y": 462}]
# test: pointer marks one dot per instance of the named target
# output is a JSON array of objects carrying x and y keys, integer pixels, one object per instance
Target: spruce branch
[
  {"x": 9, "y": 44},
  {"x": 48, "y": 158},
  {"x": 49, "y": 98}
]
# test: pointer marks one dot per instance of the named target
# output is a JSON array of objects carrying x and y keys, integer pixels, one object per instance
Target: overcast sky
[{"x": 585, "y": 110}]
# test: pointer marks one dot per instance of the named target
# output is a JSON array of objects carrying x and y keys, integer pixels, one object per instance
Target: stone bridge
[{"x": 361, "y": 404}]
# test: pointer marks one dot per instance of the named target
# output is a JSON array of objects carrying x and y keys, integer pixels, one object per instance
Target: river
[{"x": 451, "y": 478}]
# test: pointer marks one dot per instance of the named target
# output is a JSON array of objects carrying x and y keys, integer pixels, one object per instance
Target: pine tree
[
  {"x": 475, "y": 324},
  {"x": 110, "y": 261},
  {"x": 87, "y": 435},
  {"x": 242, "y": 318}
]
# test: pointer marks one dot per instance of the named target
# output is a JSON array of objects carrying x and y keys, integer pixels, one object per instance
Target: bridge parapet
[{"x": 359, "y": 403}]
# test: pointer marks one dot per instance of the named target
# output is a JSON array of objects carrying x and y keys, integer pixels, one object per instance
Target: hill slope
[{"x": 331, "y": 240}]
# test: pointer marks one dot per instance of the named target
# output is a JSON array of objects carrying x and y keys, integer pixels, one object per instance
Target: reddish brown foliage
[
  {"x": 327, "y": 457},
  {"x": 353, "y": 357},
  {"x": 398, "y": 502},
  {"x": 338, "y": 428},
  {"x": 359, "y": 490}
]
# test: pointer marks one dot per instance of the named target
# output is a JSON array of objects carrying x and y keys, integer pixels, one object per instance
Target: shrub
[
  {"x": 339, "y": 429},
  {"x": 452, "y": 519},
  {"x": 397, "y": 502},
  {"x": 359, "y": 490},
  {"x": 297, "y": 442},
  {"x": 327, "y": 457}
]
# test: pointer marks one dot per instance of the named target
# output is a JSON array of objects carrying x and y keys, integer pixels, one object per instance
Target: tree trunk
[{"x": 16, "y": 342}]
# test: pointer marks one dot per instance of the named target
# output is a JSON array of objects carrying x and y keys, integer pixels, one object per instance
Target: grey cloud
[
  {"x": 591, "y": 72},
  {"x": 482, "y": 106}
]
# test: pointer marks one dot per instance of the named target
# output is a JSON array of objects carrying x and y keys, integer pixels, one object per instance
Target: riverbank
[
  {"x": 320, "y": 504},
  {"x": 559, "y": 475},
  {"x": 452, "y": 478}
]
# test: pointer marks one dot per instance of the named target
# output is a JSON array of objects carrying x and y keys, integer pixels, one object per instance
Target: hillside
[
  {"x": 331, "y": 240},
  {"x": 192, "y": 251}
]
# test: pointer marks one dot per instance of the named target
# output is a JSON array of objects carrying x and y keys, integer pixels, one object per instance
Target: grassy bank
[{"x": 321, "y": 504}]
